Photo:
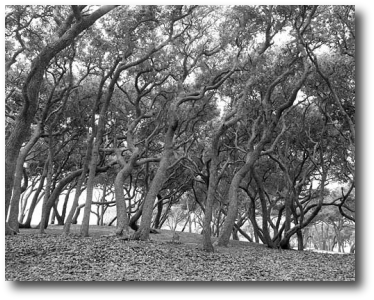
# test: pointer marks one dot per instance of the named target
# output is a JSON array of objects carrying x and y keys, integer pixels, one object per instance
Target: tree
[
  {"x": 177, "y": 101},
  {"x": 64, "y": 36},
  {"x": 242, "y": 114}
]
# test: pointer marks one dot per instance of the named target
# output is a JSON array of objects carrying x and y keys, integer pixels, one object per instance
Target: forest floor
[{"x": 30, "y": 256}]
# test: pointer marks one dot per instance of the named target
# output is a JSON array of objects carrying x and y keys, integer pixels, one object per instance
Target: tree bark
[
  {"x": 287, "y": 235},
  {"x": 212, "y": 167},
  {"x": 53, "y": 216},
  {"x": 34, "y": 201},
  {"x": 59, "y": 188},
  {"x": 30, "y": 92},
  {"x": 232, "y": 211},
  {"x": 78, "y": 188},
  {"x": 56, "y": 215},
  {"x": 300, "y": 240},
  {"x": 353, "y": 248},
  {"x": 218, "y": 223},
  {"x": 115, "y": 72},
  {"x": 213, "y": 181},
  {"x": 252, "y": 218},
  {"x": 102, "y": 208},
  {"x": 122, "y": 217},
  {"x": 64, "y": 206},
  {"x": 265, "y": 228},
  {"x": 14, "y": 206},
  {"x": 74, "y": 220},
  {"x": 84, "y": 230},
  {"x": 160, "y": 205},
  {"x": 143, "y": 232},
  {"x": 135, "y": 218},
  {"x": 47, "y": 193},
  {"x": 55, "y": 194}
]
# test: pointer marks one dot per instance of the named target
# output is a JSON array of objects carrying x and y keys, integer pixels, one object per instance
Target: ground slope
[{"x": 104, "y": 257}]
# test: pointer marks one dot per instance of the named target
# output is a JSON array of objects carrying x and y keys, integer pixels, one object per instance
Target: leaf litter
[{"x": 50, "y": 257}]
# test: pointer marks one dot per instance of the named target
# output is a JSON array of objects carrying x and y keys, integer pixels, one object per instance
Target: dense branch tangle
[{"x": 230, "y": 114}]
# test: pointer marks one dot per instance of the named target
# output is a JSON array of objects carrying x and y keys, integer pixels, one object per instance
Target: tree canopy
[{"x": 240, "y": 119}]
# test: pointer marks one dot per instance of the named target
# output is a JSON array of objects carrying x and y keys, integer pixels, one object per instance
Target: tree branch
[{"x": 77, "y": 13}]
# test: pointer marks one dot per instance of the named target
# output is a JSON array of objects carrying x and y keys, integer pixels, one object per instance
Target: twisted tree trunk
[
  {"x": 143, "y": 232},
  {"x": 122, "y": 217},
  {"x": 232, "y": 212},
  {"x": 213, "y": 181},
  {"x": 30, "y": 92},
  {"x": 14, "y": 208}
]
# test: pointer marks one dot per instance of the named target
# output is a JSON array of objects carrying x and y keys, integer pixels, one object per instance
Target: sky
[{"x": 110, "y": 213}]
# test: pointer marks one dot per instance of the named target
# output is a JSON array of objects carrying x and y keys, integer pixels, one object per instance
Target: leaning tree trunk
[
  {"x": 212, "y": 168},
  {"x": 287, "y": 221},
  {"x": 45, "y": 215},
  {"x": 300, "y": 240},
  {"x": 14, "y": 207},
  {"x": 84, "y": 230},
  {"x": 145, "y": 225},
  {"x": 122, "y": 217},
  {"x": 35, "y": 198},
  {"x": 65, "y": 204},
  {"x": 218, "y": 222},
  {"x": 115, "y": 72},
  {"x": 102, "y": 208},
  {"x": 20, "y": 133},
  {"x": 160, "y": 205},
  {"x": 30, "y": 93},
  {"x": 288, "y": 234},
  {"x": 74, "y": 220},
  {"x": 85, "y": 223},
  {"x": 265, "y": 220},
  {"x": 60, "y": 187},
  {"x": 353, "y": 248},
  {"x": 78, "y": 188},
  {"x": 56, "y": 215},
  {"x": 143, "y": 232},
  {"x": 232, "y": 211},
  {"x": 257, "y": 235},
  {"x": 213, "y": 181},
  {"x": 53, "y": 217},
  {"x": 54, "y": 196},
  {"x": 251, "y": 158}
]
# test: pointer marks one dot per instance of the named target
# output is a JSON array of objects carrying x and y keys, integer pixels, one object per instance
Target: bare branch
[
  {"x": 271, "y": 149},
  {"x": 77, "y": 13}
]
